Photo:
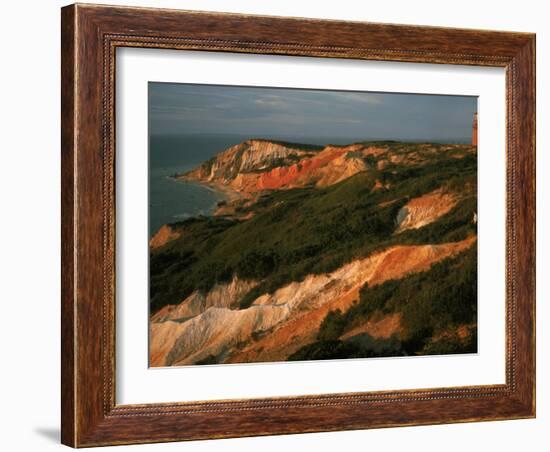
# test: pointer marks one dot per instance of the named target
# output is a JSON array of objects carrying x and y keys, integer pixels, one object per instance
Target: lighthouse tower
[{"x": 474, "y": 130}]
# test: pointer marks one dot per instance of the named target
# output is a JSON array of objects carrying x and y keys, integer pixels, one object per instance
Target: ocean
[{"x": 171, "y": 200}]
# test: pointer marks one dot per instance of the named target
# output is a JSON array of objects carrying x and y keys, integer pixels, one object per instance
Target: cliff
[
  {"x": 289, "y": 318},
  {"x": 425, "y": 209},
  {"x": 222, "y": 295},
  {"x": 247, "y": 157},
  {"x": 258, "y": 165},
  {"x": 165, "y": 234},
  {"x": 324, "y": 252}
]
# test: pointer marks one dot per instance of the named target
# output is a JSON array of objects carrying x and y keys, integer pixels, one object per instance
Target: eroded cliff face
[
  {"x": 215, "y": 332},
  {"x": 165, "y": 234},
  {"x": 214, "y": 327},
  {"x": 247, "y": 157},
  {"x": 257, "y": 165},
  {"x": 339, "y": 290},
  {"x": 278, "y": 324},
  {"x": 224, "y": 295},
  {"x": 330, "y": 167},
  {"x": 425, "y": 209}
]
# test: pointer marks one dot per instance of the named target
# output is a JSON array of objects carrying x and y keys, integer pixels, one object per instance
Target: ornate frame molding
[{"x": 90, "y": 37}]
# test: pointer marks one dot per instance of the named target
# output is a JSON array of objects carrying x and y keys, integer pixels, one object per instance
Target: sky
[{"x": 319, "y": 115}]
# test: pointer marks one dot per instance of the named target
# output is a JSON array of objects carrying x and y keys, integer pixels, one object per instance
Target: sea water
[{"x": 171, "y": 200}]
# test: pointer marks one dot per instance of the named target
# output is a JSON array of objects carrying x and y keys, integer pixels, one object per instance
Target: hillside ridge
[{"x": 304, "y": 257}]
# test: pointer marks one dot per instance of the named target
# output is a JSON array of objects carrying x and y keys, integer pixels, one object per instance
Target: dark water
[{"x": 171, "y": 200}]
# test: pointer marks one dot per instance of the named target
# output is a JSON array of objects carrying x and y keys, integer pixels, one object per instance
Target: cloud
[
  {"x": 308, "y": 112},
  {"x": 364, "y": 98},
  {"x": 271, "y": 101}
]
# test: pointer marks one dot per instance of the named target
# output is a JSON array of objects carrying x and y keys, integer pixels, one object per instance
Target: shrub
[
  {"x": 310, "y": 230},
  {"x": 332, "y": 326}
]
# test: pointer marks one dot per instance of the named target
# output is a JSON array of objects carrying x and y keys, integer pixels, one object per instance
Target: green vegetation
[
  {"x": 358, "y": 347},
  {"x": 332, "y": 327},
  {"x": 452, "y": 343},
  {"x": 210, "y": 359},
  {"x": 431, "y": 303},
  {"x": 332, "y": 349},
  {"x": 293, "y": 233}
]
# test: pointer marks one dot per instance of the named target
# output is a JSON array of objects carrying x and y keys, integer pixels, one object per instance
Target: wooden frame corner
[{"x": 90, "y": 35}]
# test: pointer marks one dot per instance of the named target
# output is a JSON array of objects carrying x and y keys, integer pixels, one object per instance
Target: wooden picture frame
[{"x": 90, "y": 36}]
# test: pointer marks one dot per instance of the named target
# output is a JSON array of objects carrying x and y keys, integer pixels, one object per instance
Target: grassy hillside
[
  {"x": 293, "y": 233},
  {"x": 432, "y": 304}
]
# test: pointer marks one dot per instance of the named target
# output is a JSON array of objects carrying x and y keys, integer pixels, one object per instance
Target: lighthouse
[{"x": 474, "y": 130}]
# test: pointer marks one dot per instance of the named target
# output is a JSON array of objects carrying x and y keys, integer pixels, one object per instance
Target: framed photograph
[{"x": 282, "y": 225}]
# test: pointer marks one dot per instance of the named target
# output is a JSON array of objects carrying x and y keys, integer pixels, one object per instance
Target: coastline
[
  {"x": 207, "y": 206},
  {"x": 229, "y": 194}
]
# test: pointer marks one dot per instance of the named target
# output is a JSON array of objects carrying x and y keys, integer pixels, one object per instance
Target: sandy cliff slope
[
  {"x": 221, "y": 296},
  {"x": 209, "y": 327},
  {"x": 165, "y": 234},
  {"x": 425, "y": 209},
  {"x": 278, "y": 324},
  {"x": 258, "y": 165}
]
